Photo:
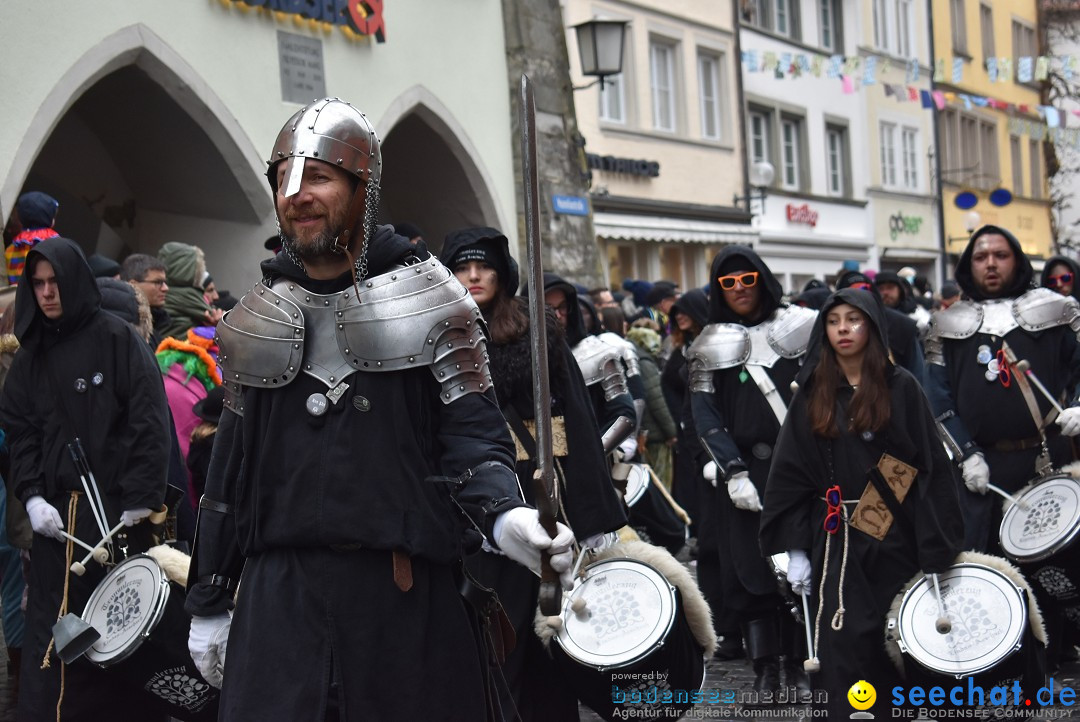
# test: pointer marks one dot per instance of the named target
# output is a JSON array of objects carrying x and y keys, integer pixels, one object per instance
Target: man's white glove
[
  {"x": 1069, "y": 421},
  {"x": 743, "y": 493},
  {"x": 710, "y": 472},
  {"x": 207, "y": 640},
  {"x": 628, "y": 447},
  {"x": 519, "y": 535},
  {"x": 44, "y": 518},
  {"x": 976, "y": 473},
  {"x": 131, "y": 517},
  {"x": 799, "y": 571}
]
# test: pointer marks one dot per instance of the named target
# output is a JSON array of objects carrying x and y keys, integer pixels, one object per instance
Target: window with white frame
[
  {"x": 831, "y": 21},
  {"x": 887, "y": 143},
  {"x": 1017, "y": 166},
  {"x": 709, "y": 94},
  {"x": 958, "y": 18},
  {"x": 662, "y": 70},
  {"x": 836, "y": 159},
  {"x": 1023, "y": 41},
  {"x": 909, "y": 158},
  {"x": 778, "y": 16},
  {"x": 880, "y": 11},
  {"x": 894, "y": 23},
  {"x": 790, "y": 152},
  {"x": 759, "y": 136},
  {"x": 612, "y": 99},
  {"x": 986, "y": 29},
  {"x": 971, "y": 150},
  {"x": 905, "y": 23},
  {"x": 1035, "y": 159}
]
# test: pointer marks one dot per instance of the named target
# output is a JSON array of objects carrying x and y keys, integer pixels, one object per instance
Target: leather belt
[{"x": 1018, "y": 444}]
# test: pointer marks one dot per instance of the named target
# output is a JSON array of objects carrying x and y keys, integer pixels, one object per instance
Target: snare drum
[
  {"x": 144, "y": 630},
  {"x": 651, "y": 516},
  {"x": 990, "y": 628},
  {"x": 631, "y": 648},
  {"x": 1040, "y": 538}
]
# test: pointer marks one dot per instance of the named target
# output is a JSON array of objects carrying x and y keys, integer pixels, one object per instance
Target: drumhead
[
  {"x": 1049, "y": 524},
  {"x": 988, "y": 615},
  {"x": 629, "y": 610},
  {"x": 125, "y": 607},
  {"x": 779, "y": 563},
  {"x": 637, "y": 483}
]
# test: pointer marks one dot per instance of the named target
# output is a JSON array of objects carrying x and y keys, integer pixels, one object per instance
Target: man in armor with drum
[
  {"x": 741, "y": 369},
  {"x": 360, "y": 422},
  {"x": 1001, "y": 426}
]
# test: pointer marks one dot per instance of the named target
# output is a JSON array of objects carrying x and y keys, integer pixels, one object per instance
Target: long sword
[{"x": 545, "y": 490}]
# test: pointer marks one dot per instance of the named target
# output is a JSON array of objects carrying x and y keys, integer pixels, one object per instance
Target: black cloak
[{"x": 928, "y": 539}]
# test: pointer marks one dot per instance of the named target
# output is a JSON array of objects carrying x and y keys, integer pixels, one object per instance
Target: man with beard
[
  {"x": 898, "y": 294},
  {"x": 741, "y": 369},
  {"x": 359, "y": 420},
  {"x": 1004, "y": 430}
]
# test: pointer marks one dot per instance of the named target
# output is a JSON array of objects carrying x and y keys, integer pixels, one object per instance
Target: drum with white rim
[
  {"x": 140, "y": 616},
  {"x": 631, "y": 647},
  {"x": 1039, "y": 534},
  {"x": 650, "y": 514},
  {"x": 637, "y": 483}
]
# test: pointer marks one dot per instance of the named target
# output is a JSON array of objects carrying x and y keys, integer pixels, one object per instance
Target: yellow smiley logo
[{"x": 862, "y": 695}]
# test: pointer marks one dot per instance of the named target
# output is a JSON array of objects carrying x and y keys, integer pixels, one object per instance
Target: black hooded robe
[
  {"x": 534, "y": 685},
  {"x": 320, "y": 503},
  {"x": 120, "y": 414},
  {"x": 741, "y": 429},
  {"x": 981, "y": 414},
  {"x": 805, "y": 465}
]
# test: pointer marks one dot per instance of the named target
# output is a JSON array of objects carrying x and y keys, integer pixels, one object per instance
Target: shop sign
[
  {"x": 631, "y": 166},
  {"x": 570, "y": 205},
  {"x": 362, "y": 17},
  {"x": 900, "y": 223},
  {"x": 802, "y": 214}
]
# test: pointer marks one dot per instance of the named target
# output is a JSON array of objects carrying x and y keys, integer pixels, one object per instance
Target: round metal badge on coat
[
  {"x": 316, "y": 404},
  {"x": 361, "y": 404}
]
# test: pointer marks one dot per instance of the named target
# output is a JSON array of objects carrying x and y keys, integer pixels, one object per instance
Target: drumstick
[
  {"x": 1025, "y": 368},
  {"x": 812, "y": 664},
  {"x": 1015, "y": 500},
  {"x": 80, "y": 567},
  {"x": 78, "y": 541},
  {"x": 679, "y": 511},
  {"x": 943, "y": 625}
]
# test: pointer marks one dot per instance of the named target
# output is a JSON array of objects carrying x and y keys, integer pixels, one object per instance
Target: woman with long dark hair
[
  {"x": 480, "y": 258},
  {"x": 853, "y": 410}
]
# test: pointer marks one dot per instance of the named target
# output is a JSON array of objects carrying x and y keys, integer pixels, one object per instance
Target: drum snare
[{"x": 1039, "y": 535}]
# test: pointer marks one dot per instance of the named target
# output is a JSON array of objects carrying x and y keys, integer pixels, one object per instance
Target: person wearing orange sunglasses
[
  {"x": 854, "y": 406},
  {"x": 741, "y": 368}
]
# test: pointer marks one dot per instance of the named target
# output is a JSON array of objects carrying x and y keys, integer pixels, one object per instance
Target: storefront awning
[
  {"x": 665, "y": 229},
  {"x": 914, "y": 254}
]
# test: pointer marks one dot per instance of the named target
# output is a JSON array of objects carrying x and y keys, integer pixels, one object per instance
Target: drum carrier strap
[{"x": 1042, "y": 462}]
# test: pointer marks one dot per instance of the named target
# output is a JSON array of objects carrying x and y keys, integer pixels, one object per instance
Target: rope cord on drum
[{"x": 69, "y": 555}]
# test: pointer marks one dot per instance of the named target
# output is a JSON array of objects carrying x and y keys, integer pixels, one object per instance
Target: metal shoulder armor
[
  {"x": 789, "y": 332},
  {"x": 718, "y": 346},
  {"x": 960, "y": 320},
  {"x": 626, "y": 350},
  {"x": 1042, "y": 308},
  {"x": 601, "y": 363},
  {"x": 418, "y": 315}
]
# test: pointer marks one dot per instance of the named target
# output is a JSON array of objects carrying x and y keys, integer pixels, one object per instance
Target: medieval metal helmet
[{"x": 332, "y": 131}]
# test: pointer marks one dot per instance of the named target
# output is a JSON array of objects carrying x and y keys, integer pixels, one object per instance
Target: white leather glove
[
  {"x": 628, "y": 447},
  {"x": 1069, "y": 421},
  {"x": 710, "y": 472},
  {"x": 743, "y": 493},
  {"x": 520, "y": 536},
  {"x": 799, "y": 571},
  {"x": 44, "y": 518},
  {"x": 976, "y": 473},
  {"x": 207, "y": 640},
  {"x": 131, "y": 517}
]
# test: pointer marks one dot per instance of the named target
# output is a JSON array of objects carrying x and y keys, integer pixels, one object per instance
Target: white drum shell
[
  {"x": 125, "y": 608},
  {"x": 637, "y": 483},
  {"x": 988, "y": 613},
  {"x": 629, "y": 611},
  {"x": 1049, "y": 523}
]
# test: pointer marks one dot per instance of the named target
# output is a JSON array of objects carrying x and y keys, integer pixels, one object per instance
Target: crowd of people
[{"x": 357, "y": 435}]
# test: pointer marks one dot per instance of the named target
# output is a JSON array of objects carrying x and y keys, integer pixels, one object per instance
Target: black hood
[
  {"x": 597, "y": 326},
  {"x": 79, "y": 295},
  {"x": 119, "y": 299},
  {"x": 813, "y": 298},
  {"x": 725, "y": 262},
  {"x": 1023, "y": 273},
  {"x": 492, "y": 241},
  {"x": 695, "y": 304},
  {"x": 907, "y": 291},
  {"x": 385, "y": 250},
  {"x": 868, "y": 303},
  {"x": 1073, "y": 266},
  {"x": 575, "y": 323}
]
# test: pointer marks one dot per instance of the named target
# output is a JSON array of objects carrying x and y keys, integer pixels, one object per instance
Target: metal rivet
[
  {"x": 393, "y": 278},
  {"x": 378, "y": 363},
  {"x": 340, "y": 326},
  {"x": 429, "y": 277},
  {"x": 339, "y": 314},
  {"x": 446, "y": 324},
  {"x": 307, "y": 367},
  {"x": 292, "y": 368},
  {"x": 446, "y": 395},
  {"x": 369, "y": 284},
  {"x": 291, "y": 287},
  {"x": 411, "y": 359},
  {"x": 441, "y": 374},
  {"x": 430, "y": 341},
  {"x": 265, "y": 381},
  {"x": 326, "y": 303},
  {"x": 461, "y": 388},
  {"x": 331, "y": 378},
  {"x": 340, "y": 161},
  {"x": 296, "y": 315},
  {"x": 277, "y": 301},
  {"x": 307, "y": 298},
  {"x": 457, "y": 366}
]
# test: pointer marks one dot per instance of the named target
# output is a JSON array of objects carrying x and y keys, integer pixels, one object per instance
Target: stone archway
[
  {"x": 140, "y": 152},
  {"x": 431, "y": 174}
]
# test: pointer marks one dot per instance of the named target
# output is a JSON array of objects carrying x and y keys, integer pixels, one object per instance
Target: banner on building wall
[{"x": 355, "y": 18}]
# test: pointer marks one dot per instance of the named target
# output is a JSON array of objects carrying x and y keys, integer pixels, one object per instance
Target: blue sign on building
[{"x": 571, "y": 205}]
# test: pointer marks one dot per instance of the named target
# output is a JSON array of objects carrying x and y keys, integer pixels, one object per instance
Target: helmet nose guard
[{"x": 332, "y": 131}]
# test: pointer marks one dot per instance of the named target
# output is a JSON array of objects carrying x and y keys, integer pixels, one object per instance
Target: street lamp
[
  {"x": 762, "y": 174},
  {"x": 600, "y": 47}
]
